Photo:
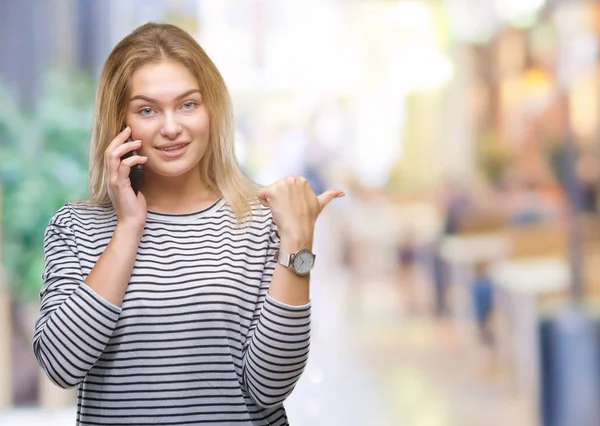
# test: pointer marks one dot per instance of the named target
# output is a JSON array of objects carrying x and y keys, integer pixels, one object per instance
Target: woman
[{"x": 183, "y": 304}]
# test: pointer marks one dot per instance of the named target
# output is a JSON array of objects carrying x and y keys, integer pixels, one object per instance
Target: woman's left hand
[{"x": 295, "y": 207}]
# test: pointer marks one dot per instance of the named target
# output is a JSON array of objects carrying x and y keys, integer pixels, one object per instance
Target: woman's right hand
[{"x": 131, "y": 210}]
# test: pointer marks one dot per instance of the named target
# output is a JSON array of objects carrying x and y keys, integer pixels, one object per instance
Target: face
[{"x": 167, "y": 114}]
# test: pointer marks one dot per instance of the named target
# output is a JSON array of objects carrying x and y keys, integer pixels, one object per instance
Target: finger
[
  {"x": 126, "y": 147},
  {"x": 119, "y": 139},
  {"x": 263, "y": 196},
  {"x": 326, "y": 197},
  {"x": 128, "y": 163},
  {"x": 113, "y": 158}
]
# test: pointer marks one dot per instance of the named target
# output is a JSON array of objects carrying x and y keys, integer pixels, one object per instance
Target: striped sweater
[{"x": 197, "y": 339}]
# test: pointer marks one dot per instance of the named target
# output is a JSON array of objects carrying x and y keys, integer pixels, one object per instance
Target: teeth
[{"x": 174, "y": 148}]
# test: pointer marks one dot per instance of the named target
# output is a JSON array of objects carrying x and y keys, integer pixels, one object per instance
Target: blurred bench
[
  {"x": 531, "y": 272},
  {"x": 535, "y": 274}
]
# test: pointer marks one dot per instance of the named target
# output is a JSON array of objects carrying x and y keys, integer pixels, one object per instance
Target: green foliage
[
  {"x": 43, "y": 164},
  {"x": 492, "y": 158}
]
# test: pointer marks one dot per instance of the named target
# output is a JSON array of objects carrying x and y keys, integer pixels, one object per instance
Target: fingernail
[{"x": 340, "y": 195}]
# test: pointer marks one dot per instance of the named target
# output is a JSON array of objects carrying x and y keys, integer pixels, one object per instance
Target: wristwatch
[{"x": 301, "y": 262}]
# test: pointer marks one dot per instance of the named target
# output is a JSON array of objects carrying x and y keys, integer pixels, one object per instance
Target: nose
[{"x": 170, "y": 128}]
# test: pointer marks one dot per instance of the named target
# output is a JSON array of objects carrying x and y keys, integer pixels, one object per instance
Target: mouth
[
  {"x": 173, "y": 147},
  {"x": 172, "y": 150}
]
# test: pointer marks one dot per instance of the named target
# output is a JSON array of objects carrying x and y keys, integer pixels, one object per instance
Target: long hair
[{"x": 153, "y": 43}]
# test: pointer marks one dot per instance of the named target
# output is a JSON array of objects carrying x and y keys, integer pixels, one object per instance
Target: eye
[
  {"x": 189, "y": 105},
  {"x": 146, "y": 111}
]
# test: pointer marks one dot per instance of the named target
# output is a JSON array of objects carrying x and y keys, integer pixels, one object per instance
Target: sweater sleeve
[
  {"x": 276, "y": 350},
  {"x": 74, "y": 324}
]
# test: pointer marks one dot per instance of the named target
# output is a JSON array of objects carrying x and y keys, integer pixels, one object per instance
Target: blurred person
[
  {"x": 440, "y": 283},
  {"x": 530, "y": 206},
  {"x": 528, "y": 199},
  {"x": 187, "y": 303},
  {"x": 407, "y": 251},
  {"x": 455, "y": 203},
  {"x": 407, "y": 261},
  {"x": 482, "y": 298},
  {"x": 588, "y": 175}
]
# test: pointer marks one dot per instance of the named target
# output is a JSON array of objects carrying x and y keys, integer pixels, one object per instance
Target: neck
[{"x": 179, "y": 194}]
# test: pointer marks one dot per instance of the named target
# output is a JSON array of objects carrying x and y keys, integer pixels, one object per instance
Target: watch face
[{"x": 303, "y": 262}]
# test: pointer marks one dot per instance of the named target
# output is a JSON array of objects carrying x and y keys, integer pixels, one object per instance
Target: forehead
[{"x": 162, "y": 80}]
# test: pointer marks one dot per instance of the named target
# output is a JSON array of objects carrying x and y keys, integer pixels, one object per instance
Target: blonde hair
[{"x": 157, "y": 42}]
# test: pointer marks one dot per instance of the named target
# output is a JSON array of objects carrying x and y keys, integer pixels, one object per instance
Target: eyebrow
[{"x": 148, "y": 99}]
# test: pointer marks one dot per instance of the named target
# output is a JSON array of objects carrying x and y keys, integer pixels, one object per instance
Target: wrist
[
  {"x": 294, "y": 242},
  {"x": 130, "y": 228}
]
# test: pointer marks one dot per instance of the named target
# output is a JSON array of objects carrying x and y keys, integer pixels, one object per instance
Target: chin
[{"x": 173, "y": 170}]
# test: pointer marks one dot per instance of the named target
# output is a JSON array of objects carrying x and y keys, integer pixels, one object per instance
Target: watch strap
[{"x": 284, "y": 259}]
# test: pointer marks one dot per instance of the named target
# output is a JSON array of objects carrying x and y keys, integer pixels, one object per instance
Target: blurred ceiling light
[
  {"x": 378, "y": 133},
  {"x": 421, "y": 68},
  {"x": 471, "y": 20},
  {"x": 411, "y": 14},
  {"x": 520, "y": 13},
  {"x": 537, "y": 91}
]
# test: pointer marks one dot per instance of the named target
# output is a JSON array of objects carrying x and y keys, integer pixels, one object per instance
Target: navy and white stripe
[{"x": 197, "y": 340}]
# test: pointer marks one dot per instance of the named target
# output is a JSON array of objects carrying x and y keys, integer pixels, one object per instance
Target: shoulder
[
  {"x": 262, "y": 219},
  {"x": 253, "y": 211},
  {"x": 261, "y": 215},
  {"x": 259, "y": 211},
  {"x": 257, "y": 218},
  {"x": 78, "y": 211}
]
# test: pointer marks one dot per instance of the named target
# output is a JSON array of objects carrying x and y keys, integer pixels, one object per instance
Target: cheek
[
  {"x": 201, "y": 124},
  {"x": 147, "y": 137},
  {"x": 143, "y": 129}
]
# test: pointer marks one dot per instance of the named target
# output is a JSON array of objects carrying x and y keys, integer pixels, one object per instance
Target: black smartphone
[{"x": 135, "y": 174}]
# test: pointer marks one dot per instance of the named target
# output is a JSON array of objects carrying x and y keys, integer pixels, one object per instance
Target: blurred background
[{"x": 455, "y": 283}]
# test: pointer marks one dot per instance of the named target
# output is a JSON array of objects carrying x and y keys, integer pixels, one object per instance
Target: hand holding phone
[
  {"x": 135, "y": 174},
  {"x": 123, "y": 180}
]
